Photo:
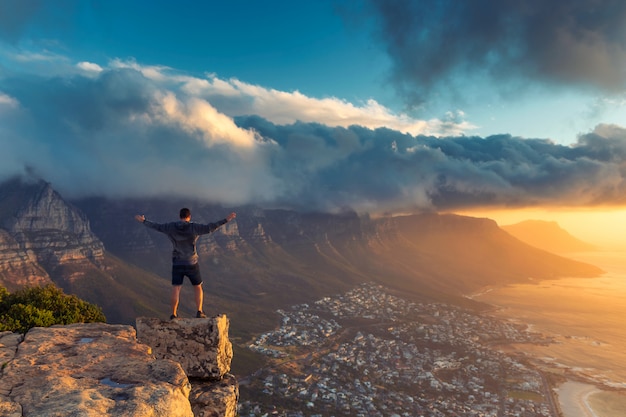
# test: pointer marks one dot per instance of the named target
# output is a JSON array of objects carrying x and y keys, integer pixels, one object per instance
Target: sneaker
[
  {"x": 200, "y": 315},
  {"x": 173, "y": 316}
]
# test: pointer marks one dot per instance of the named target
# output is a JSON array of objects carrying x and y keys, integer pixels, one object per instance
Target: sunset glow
[
  {"x": 344, "y": 133},
  {"x": 604, "y": 227}
]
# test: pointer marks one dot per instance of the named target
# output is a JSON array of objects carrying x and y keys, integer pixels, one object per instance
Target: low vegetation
[{"x": 43, "y": 307}]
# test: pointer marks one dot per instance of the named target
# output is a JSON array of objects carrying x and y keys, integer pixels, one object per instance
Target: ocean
[{"x": 587, "y": 318}]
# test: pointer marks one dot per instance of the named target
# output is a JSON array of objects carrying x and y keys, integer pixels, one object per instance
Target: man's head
[{"x": 185, "y": 214}]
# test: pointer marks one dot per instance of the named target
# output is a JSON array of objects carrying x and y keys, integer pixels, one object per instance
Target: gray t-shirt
[{"x": 183, "y": 236}]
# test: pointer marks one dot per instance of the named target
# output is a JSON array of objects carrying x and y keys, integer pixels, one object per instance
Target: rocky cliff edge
[{"x": 107, "y": 370}]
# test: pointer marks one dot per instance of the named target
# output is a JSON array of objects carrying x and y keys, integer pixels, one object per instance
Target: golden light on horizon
[{"x": 603, "y": 227}]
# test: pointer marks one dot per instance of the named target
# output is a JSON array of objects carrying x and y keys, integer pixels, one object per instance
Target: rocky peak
[
  {"x": 38, "y": 207},
  {"x": 42, "y": 231}
]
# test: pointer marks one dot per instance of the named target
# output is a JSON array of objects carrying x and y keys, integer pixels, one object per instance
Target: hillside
[{"x": 548, "y": 236}]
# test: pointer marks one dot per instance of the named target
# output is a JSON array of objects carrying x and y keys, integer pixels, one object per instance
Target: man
[{"x": 183, "y": 234}]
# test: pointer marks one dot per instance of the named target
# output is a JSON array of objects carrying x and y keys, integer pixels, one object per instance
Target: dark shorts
[{"x": 191, "y": 271}]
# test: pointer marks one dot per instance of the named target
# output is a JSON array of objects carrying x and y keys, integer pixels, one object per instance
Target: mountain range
[
  {"x": 264, "y": 260},
  {"x": 548, "y": 236}
]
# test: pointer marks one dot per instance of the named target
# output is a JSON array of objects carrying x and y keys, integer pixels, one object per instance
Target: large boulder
[
  {"x": 89, "y": 370},
  {"x": 201, "y": 346}
]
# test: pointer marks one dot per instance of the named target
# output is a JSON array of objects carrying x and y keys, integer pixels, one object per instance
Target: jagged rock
[
  {"x": 201, "y": 346},
  {"x": 8, "y": 346},
  {"x": 215, "y": 399},
  {"x": 19, "y": 267},
  {"x": 90, "y": 370}
]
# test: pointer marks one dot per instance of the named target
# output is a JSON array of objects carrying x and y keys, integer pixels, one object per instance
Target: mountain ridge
[{"x": 265, "y": 259}]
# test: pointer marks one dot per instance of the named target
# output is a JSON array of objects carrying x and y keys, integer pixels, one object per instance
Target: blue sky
[
  {"x": 385, "y": 106},
  {"x": 322, "y": 49}
]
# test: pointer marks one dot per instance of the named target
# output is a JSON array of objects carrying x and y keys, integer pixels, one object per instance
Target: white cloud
[
  {"x": 281, "y": 107},
  {"x": 7, "y": 101},
  {"x": 199, "y": 117},
  {"x": 152, "y": 72},
  {"x": 29, "y": 56},
  {"x": 89, "y": 67},
  {"x": 233, "y": 97}
]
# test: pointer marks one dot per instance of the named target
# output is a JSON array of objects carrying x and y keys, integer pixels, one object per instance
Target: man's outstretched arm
[
  {"x": 152, "y": 225},
  {"x": 211, "y": 227}
]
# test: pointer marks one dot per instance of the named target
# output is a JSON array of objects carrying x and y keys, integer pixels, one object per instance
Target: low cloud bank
[{"x": 131, "y": 131}]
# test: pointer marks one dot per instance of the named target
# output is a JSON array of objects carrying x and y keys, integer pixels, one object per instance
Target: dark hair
[{"x": 185, "y": 213}]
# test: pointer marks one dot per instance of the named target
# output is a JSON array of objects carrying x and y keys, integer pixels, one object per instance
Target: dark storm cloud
[
  {"x": 432, "y": 43},
  {"x": 119, "y": 133}
]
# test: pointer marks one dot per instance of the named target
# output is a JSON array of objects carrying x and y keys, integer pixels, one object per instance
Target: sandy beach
[
  {"x": 578, "y": 399},
  {"x": 574, "y": 399}
]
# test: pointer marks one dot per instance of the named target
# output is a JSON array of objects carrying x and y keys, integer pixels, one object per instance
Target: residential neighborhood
[{"x": 370, "y": 353}]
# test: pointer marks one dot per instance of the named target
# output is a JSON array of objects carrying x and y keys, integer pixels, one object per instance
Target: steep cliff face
[
  {"x": 19, "y": 267},
  {"x": 40, "y": 232}
]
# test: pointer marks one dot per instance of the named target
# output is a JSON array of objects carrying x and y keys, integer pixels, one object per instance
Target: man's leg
[
  {"x": 196, "y": 280},
  {"x": 178, "y": 274},
  {"x": 199, "y": 295},
  {"x": 175, "y": 298}
]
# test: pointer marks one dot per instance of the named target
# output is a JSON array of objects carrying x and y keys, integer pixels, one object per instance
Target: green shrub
[{"x": 42, "y": 307}]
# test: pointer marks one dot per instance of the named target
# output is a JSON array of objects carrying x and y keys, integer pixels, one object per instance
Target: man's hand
[
  {"x": 140, "y": 218},
  {"x": 231, "y": 216}
]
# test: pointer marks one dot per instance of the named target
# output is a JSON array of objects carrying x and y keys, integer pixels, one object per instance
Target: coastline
[
  {"x": 574, "y": 399},
  {"x": 585, "y": 318}
]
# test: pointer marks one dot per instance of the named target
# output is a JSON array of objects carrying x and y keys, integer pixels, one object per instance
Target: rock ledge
[{"x": 103, "y": 370}]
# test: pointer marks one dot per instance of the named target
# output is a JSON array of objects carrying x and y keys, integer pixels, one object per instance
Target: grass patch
[{"x": 526, "y": 395}]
